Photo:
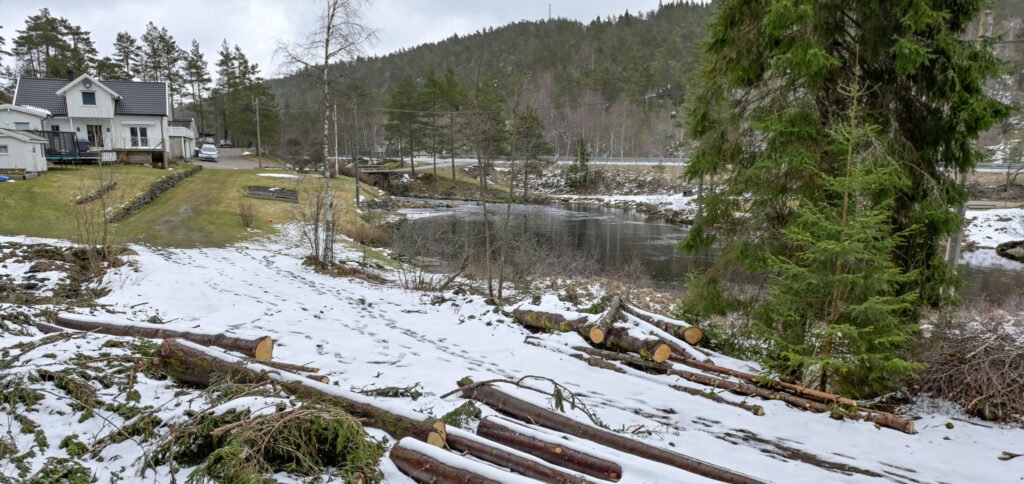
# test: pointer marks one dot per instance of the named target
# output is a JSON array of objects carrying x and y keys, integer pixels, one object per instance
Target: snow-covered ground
[
  {"x": 672, "y": 202},
  {"x": 989, "y": 228},
  {"x": 361, "y": 334}
]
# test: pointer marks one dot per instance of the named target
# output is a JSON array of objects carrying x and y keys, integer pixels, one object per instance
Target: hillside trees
[
  {"x": 238, "y": 84},
  {"x": 767, "y": 120}
]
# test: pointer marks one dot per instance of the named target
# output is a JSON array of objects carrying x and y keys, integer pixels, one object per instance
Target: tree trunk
[
  {"x": 557, "y": 454},
  {"x": 510, "y": 461},
  {"x": 612, "y": 337},
  {"x": 260, "y": 349},
  {"x": 420, "y": 467},
  {"x": 880, "y": 418},
  {"x": 690, "y": 334},
  {"x": 529, "y": 412},
  {"x": 196, "y": 365}
]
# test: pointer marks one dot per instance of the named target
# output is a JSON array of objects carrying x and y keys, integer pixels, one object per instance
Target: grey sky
[{"x": 256, "y": 25}]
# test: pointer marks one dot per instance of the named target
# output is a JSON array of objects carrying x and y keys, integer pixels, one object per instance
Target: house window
[
  {"x": 21, "y": 126},
  {"x": 89, "y": 98},
  {"x": 95, "y": 133},
  {"x": 3, "y": 149},
  {"x": 140, "y": 138},
  {"x": 55, "y": 128}
]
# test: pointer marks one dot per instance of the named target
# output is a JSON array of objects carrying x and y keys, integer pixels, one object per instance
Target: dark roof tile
[{"x": 137, "y": 97}]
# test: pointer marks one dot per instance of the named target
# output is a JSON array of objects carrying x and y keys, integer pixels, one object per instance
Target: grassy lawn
[
  {"x": 202, "y": 211},
  {"x": 43, "y": 207}
]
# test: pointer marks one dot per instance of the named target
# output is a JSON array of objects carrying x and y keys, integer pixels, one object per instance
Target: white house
[
  {"x": 22, "y": 118},
  {"x": 122, "y": 120},
  {"x": 183, "y": 139},
  {"x": 21, "y": 151}
]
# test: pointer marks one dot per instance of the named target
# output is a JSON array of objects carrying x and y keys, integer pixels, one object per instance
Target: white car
[{"x": 208, "y": 153}]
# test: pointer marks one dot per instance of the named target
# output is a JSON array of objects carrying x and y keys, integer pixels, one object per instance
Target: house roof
[
  {"x": 95, "y": 82},
  {"x": 137, "y": 97},
  {"x": 30, "y": 110},
  {"x": 21, "y": 135}
]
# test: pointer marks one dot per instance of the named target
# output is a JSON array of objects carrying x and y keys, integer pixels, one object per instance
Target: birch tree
[{"x": 338, "y": 36}]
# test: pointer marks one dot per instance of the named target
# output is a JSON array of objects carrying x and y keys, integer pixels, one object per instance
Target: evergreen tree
[
  {"x": 196, "y": 76},
  {"x": 108, "y": 68},
  {"x": 81, "y": 54},
  {"x": 531, "y": 143},
  {"x": 453, "y": 100},
  {"x": 773, "y": 94},
  {"x": 128, "y": 56},
  {"x": 404, "y": 119},
  {"x": 238, "y": 84},
  {"x": 578, "y": 174},
  {"x": 431, "y": 100},
  {"x": 41, "y": 49},
  {"x": 160, "y": 58}
]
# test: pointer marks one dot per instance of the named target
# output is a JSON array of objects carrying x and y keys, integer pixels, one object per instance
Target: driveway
[{"x": 232, "y": 159}]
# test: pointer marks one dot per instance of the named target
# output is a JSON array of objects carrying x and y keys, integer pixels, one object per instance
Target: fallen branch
[
  {"x": 193, "y": 364},
  {"x": 260, "y": 349},
  {"x": 529, "y": 412},
  {"x": 555, "y": 453}
]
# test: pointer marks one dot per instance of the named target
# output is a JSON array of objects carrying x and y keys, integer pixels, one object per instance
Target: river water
[{"x": 612, "y": 237}]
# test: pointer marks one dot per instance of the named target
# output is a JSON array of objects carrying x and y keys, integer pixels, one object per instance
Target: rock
[{"x": 1013, "y": 250}]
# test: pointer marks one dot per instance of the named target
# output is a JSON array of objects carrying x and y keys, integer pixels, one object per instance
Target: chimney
[{"x": 71, "y": 75}]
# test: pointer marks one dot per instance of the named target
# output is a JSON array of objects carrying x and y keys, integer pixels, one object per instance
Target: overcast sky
[{"x": 257, "y": 25}]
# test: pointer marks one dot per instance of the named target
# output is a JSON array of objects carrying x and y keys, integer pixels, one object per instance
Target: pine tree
[
  {"x": 40, "y": 48},
  {"x": 431, "y": 100},
  {"x": 128, "y": 56},
  {"x": 161, "y": 56},
  {"x": 771, "y": 101},
  {"x": 405, "y": 121},
  {"x": 196, "y": 75},
  {"x": 531, "y": 143},
  {"x": 81, "y": 54},
  {"x": 453, "y": 100},
  {"x": 108, "y": 68}
]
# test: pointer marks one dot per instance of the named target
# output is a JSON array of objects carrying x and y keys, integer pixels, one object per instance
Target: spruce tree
[{"x": 764, "y": 121}]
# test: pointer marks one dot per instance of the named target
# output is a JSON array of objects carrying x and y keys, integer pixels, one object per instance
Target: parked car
[
  {"x": 209, "y": 141},
  {"x": 226, "y": 144},
  {"x": 208, "y": 153}
]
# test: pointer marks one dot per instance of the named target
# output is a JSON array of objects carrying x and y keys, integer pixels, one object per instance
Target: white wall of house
[
  {"x": 11, "y": 119},
  {"x": 24, "y": 155},
  {"x": 104, "y": 107},
  {"x": 157, "y": 131}
]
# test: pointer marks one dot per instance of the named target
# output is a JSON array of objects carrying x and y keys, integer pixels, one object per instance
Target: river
[{"x": 613, "y": 238}]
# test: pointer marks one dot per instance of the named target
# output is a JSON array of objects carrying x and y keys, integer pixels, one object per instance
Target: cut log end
[
  {"x": 661, "y": 353},
  {"x": 264, "y": 350},
  {"x": 319, "y": 378},
  {"x": 596, "y": 335},
  {"x": 693, "y": 335},
  {"x": 436, "y": 440},
  {"x": 441, "y": 429}
]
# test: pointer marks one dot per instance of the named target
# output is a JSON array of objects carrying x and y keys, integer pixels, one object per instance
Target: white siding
[
  {"x": 8, "y": 118},
  {"x": 156, "y": 128},
  {"x": 22, "y": 155},
  {"x": 104, "y": 107}
]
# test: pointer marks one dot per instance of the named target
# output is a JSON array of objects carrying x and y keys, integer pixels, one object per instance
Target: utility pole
[
  {"x": 259, "y": 144},
  {"x": 355, "y": 152},
  {"x": 956, "y": 240}
]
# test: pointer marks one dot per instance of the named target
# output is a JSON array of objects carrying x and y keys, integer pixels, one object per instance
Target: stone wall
[{"x": 152, "y": 193}]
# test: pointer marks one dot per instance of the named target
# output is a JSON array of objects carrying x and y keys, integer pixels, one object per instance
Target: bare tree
[
  {"x": 1014, "y": 164},
  {"x": 338, "y": 36}
]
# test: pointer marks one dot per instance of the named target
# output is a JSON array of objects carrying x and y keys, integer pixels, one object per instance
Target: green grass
[
  {"x": 202, "y": 211},
  {"x": 43, "y": 207}
]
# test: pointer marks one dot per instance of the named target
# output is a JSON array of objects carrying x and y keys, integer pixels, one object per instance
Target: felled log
[
  {"x": 280, "y": 365},
  {"x": 261, "y": 349},
  {"x": 426, "y": 465},
  {"x": 512, "y": 461},
  {"x": 798, "y": 390},
  {"x": 600, "y": 334},
  {"x": 47, "y": 328},
  {"x": 554, "y": 453},
  {"x": 714, "y": 397},
  {"x": 529, "y": 412},
  {"x": 689, "y": 334},
  {"x": 190, "y": 363},
  {"x": 882, "y": 419}
]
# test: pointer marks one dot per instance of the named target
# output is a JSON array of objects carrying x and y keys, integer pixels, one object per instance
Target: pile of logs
[{"x": 613, "y": 338}]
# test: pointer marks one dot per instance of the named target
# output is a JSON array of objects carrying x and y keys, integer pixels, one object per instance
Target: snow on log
[
  {"x": 555, "y": 453},
  {"x": 193, "y": 364},
  {"x": 529, "y": 412},
  {"x": 261, "y": 349},
  {"x": 427, "y": 464},
  {"x": 602, "y": 333},
  {"x": 507, "y": 457},
  {"x": 690, "y": 334},
  {"x": 880, "y": 418}
]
